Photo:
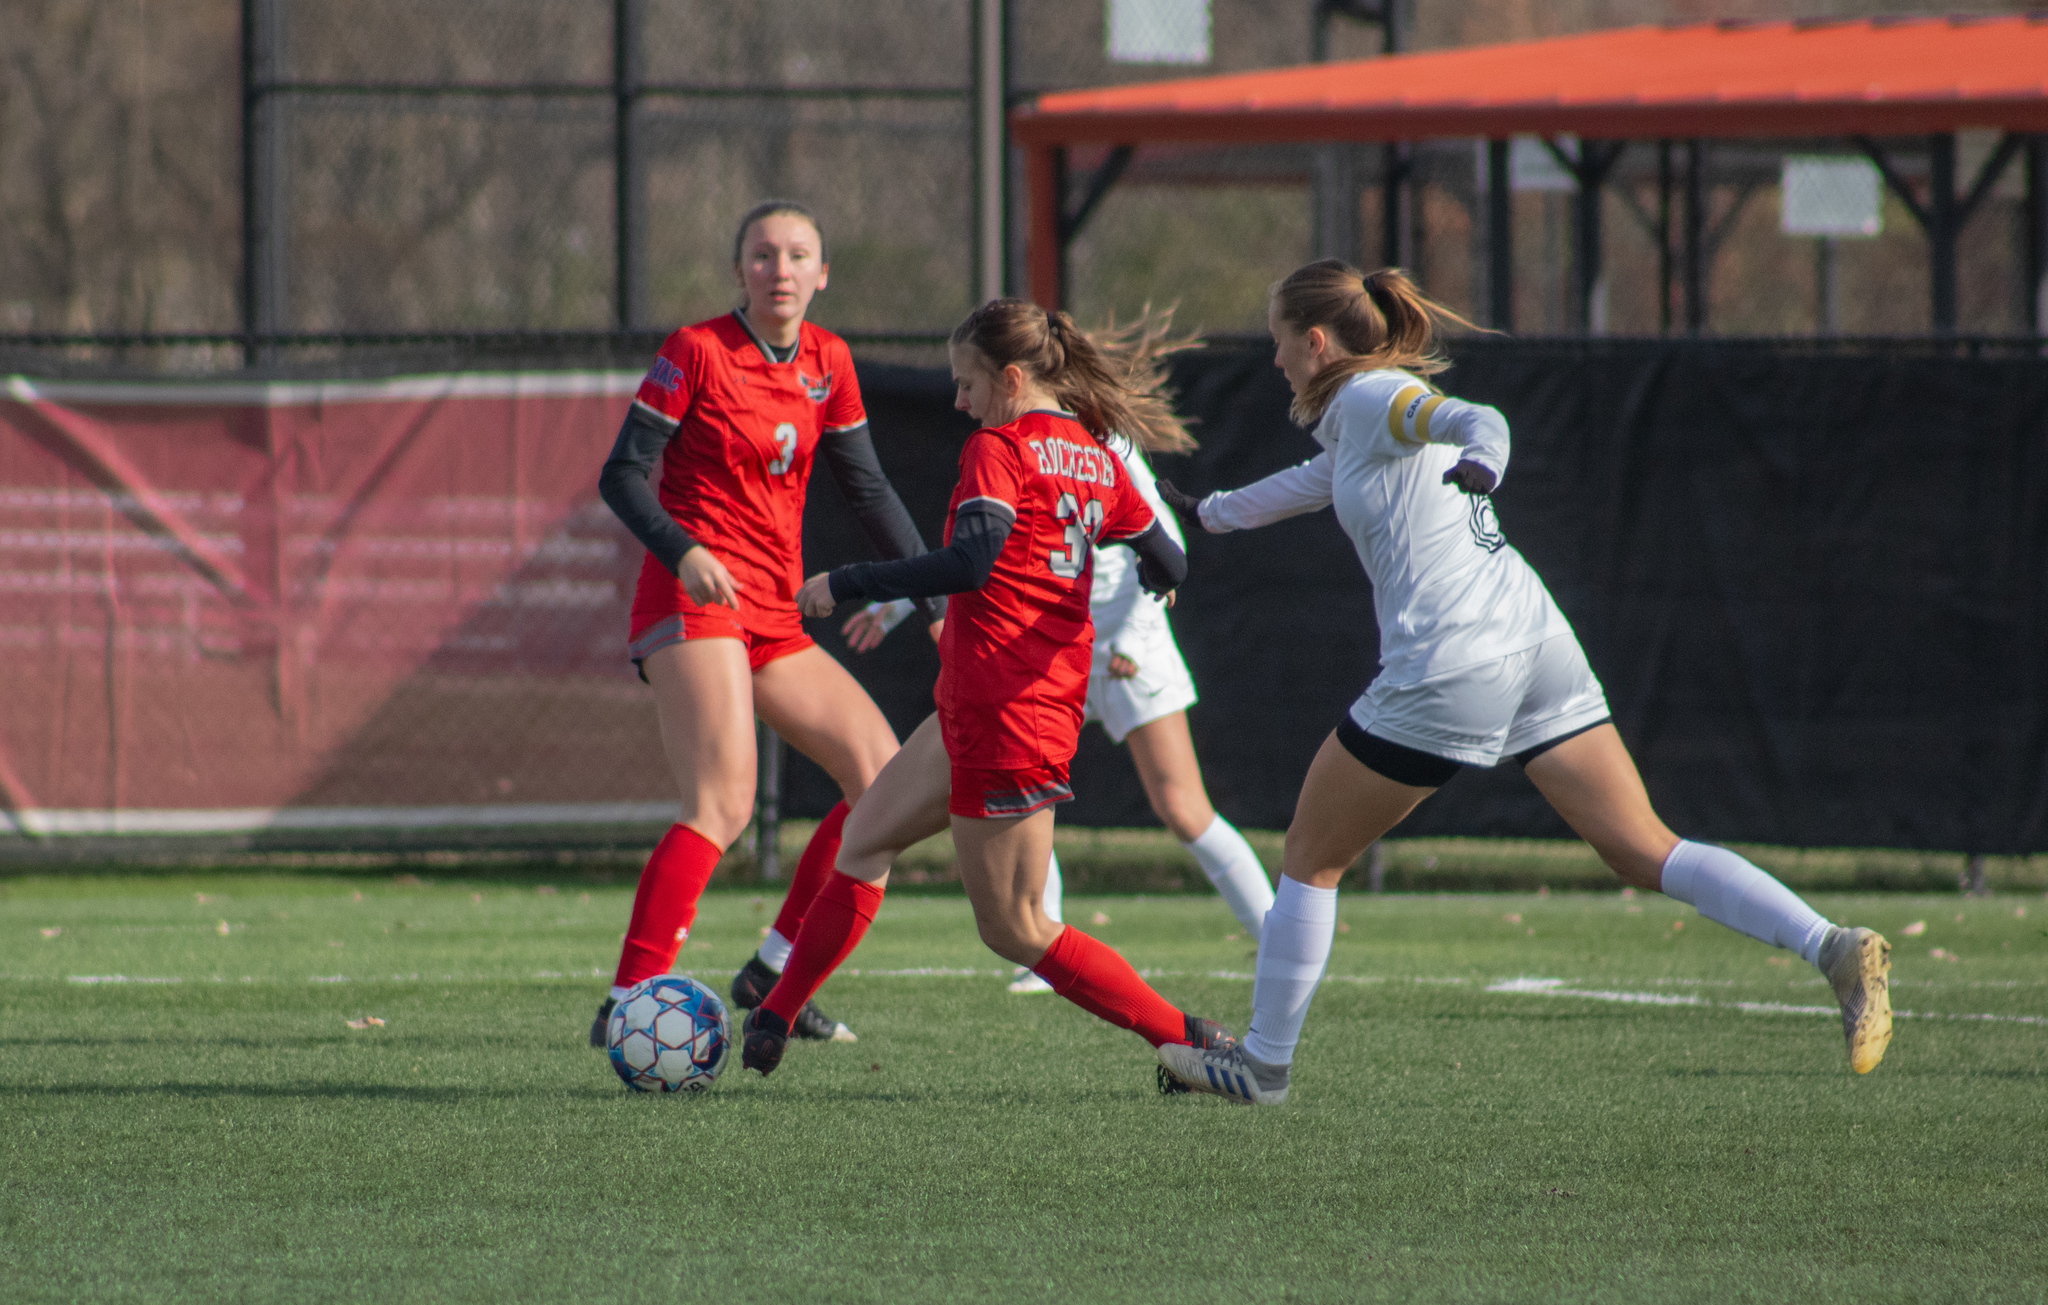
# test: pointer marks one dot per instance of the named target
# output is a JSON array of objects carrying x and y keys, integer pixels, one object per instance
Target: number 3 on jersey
[
  {"x": 1084, "y": 522},
  {"x": 785, "y": 439}
]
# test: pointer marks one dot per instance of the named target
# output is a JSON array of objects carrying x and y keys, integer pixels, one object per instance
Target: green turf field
[{"x": 185, "y": 1113}]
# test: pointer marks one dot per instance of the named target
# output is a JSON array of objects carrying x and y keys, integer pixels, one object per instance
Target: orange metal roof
[{"x": 1876, "y": 77}]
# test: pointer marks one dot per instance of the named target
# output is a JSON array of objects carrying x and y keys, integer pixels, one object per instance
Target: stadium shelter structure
[{"x": 1874, "y": 83}]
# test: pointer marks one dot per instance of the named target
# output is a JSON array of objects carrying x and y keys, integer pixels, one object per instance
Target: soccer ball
[{"x": 669, "y": 1033}]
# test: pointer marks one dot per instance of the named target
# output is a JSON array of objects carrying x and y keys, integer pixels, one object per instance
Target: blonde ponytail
[
  {"x": 1382, "y": 318},
  {"x": 1112, "y": 380}
]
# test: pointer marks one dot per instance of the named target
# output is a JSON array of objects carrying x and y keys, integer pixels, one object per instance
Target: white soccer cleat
[
  {"x": 1858, "y": 964},
  {"x": 1225, "y": 1072},
  {"x": 1027, "y": 981}
]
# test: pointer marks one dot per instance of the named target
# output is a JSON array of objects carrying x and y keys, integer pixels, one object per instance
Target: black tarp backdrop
[{"x": 1814, "y": 581}]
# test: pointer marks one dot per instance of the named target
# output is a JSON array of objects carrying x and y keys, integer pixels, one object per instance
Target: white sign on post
[
  {"x": 1159, "y": 31},
  {"x": 1830, "y": 195}
]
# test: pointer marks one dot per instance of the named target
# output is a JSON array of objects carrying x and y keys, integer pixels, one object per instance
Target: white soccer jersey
[
  {"x": 1116, "y": 596},
  {"x": 1448, "y": 590}
]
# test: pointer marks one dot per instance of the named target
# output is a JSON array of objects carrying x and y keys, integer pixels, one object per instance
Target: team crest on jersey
[
  {"x": 664, "y": 374},
  {"x": 1485, "y": 526},
  {"x": 819, "y": 390}
]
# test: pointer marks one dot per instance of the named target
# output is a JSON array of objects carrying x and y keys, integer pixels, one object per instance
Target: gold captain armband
[{"x": 1408, "y": 415}]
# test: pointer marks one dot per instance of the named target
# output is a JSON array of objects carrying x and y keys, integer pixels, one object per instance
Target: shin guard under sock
[
  {"x": 1092, "y": 976},
  {"x": 1731, "y": 891},
  {"x": 812, "y": 869},
  {"x": 833, "y": 926},
  {"x": 665, "y": 904},
  {"x": 1234, "y": 868},
  {"x": 1293, "y": 949}
]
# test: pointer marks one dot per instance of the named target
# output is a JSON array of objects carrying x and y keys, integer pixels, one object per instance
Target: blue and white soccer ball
[{"x": 669, "y": 1033}]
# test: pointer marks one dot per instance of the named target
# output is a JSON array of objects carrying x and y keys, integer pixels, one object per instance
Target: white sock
[
  {"x": 1234, "y": 868},
  {"x": 774, "y": 949},
  {"x": 1054, "y": 888},
  {"x": 1729, "y": 890},
  {"x": 1293, "y": 949}
]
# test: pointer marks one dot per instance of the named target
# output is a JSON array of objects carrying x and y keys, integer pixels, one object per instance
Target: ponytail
[
  {"x": 1111, "y": 380},
  {"x": 1382, "y": 318}
]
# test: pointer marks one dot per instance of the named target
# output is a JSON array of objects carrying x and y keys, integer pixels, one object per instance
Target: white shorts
[
  {"x": 1496, "y": 709},
  {"x": 1161, "y": 687}
]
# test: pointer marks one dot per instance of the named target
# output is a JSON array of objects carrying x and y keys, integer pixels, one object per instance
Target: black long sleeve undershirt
[
  {"x": 978, "y": 535},
  {"x": 850, "y": 454}
]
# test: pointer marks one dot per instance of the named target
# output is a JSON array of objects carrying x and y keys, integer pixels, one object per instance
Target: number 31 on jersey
[{"x": 1084, "y": 523}]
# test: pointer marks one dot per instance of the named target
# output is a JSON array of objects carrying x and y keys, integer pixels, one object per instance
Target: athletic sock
[
  {"x": 665, "y": 904},
  {"x": 1234, "y": 868},
  {"x": 834, "y": 925},
  {"x": 812, "y": 869},
  {"x": 1055, "y": 889},
  {"x": 1730, "y": 891},
  {"x": 1293, "y": 949},
  {"x": 1092, "y": 976}
]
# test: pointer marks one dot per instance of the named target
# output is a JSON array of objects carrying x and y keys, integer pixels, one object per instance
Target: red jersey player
[
  {"x": 734, "y": 411},
  {"x": 1038, "y": 493}
]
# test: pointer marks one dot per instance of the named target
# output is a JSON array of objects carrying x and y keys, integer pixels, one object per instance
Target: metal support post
[
  {"x": 2036, "y": 288},
  {"x": 1336, "y": 203},
  {"x": 262, "y": 178},
  {"x": 1336, "y": 198},
  {"x": 768, "y": 803},
  {"x": 629, "y": 185},
  {"x": 1376, "y": 867},
  {"x": 1500, "y": 238},
  {"x": 1664, "y": 269},
  {"x": 1973, "y": 877},
  {"x": 1045, "y": 188},
  {"x": 1827, "y": 312},
  {"x": 1694, "y": 228},
  {"x": 1941, "y": 231},
  {"x": 991, "y": 149},
  {"x": 1397, "y": 234}
]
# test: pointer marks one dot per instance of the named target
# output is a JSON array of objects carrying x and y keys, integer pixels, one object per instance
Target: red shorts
[
  {"x": 663, "y": 614},
  {"x": 1004, "y": 794}
]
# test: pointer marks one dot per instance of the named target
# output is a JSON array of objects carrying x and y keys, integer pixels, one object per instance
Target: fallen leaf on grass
[
  {"x": 221, "y": 928},
  {"x": 1914, "y": 930},
  {"x": 202, "y": 897},
  {"x": 366, "y": 1022},
  {"x": 1512, "y": 917},
  {"x": 476, "y": 898},
  {"x": 1628, "y": 894},
  {"x": 1633, "y": 909},
  {"x": 1098, "y": 918},
  {"x": 1676, "y": 925},
  {"x": 356, "y": 896},
  {"x": 874, "y": 1069},
  {"x": 544, "y": 890},
  {"x": 2019, "y": 912},
  {"x": 52, "y": 933},
  {"x": 1778, "y": 960},
  {"x": 1941, "y": 955},
  {"x": 407, "y": 881},
  {"x": 1343, "y": 927}
]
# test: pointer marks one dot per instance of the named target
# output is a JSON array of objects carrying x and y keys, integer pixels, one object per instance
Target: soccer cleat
[
  {"x": 763, "y": 1038},
  {"x": 750, "y": 987},
  {"x": 598, "y": 1034},
  {"x": 1225, "y": 1071},
  {"x": 1858, "y": 963},
  {"x": 1202, "y": 1034},
  {"x": 1026, "y": 980},
  {"x": 814, "y": 1025}
]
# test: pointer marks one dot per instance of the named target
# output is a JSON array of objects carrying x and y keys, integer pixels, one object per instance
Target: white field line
[
  {"x": 1556, "y": 988},
  {"x": 1528, "y": 987},
  {"x": 45, "y": 822}
]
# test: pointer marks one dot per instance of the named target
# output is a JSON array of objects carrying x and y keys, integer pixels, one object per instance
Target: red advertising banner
[{"x": 319, "y": 604}]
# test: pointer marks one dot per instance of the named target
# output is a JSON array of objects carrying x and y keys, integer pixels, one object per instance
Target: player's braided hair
[
  {"x": 1382, "y": 318},
  {"x": 768, "y": 208},
  {"x": 1111, "y": 379}
]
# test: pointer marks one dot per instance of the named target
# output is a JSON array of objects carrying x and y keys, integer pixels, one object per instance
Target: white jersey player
[
  {"x": 1477, "y": 663},
  {"x": 1139, "y": 691}
]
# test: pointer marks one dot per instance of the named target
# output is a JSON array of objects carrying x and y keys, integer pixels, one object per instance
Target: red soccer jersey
[
  {"x": 746, "y": 427},
  {"x": 1013, "y": 674}
]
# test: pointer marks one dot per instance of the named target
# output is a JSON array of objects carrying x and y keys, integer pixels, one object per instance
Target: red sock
[
  {"x": 1092, "y": 976},
  {"x": 665, "y": 904},
  {"x": 833, "y": 927},
  {"x": 812, "y": 869}
]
